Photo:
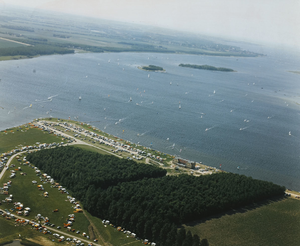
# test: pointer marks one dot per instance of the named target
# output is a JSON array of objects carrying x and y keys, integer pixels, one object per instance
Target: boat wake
[
  {"x": 50, "y": 98},
  {"x": 244, "y": 128},
  {"x": 208, "y": 129},
  {"x": 142, "y": 134}
]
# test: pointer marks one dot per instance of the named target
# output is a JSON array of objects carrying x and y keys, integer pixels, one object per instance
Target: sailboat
[{"x": 79, "y": 97}]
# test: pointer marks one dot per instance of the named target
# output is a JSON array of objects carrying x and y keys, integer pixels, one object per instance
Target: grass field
[
  {"x": 24, "y": 136},
  {"x": 111, "y": 235},
  {"x": 24, "y": 191},
  {"x": 277, "y": 223}
]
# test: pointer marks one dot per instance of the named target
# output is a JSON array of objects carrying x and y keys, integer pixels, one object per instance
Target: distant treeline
[
  {"x": 207, "y": 67},
  {"x": 60, "y": 36},
  {"x": 34, "y": 50},
  {"x": 43, "y": 40},
  {"x": 20, "y": 28},
  {"x": 142, "y": 198}
]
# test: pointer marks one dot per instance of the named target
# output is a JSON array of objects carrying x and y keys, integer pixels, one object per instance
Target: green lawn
[
  {"x": 24, "y": 191},
  {"x": 9, "y": 232},
  {"x": 277, "y": 223}
]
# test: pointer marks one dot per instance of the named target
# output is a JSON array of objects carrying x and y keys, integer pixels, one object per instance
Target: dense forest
[
  {"x": 79, "y": 169},
  {"x": 142, "y": 198},
  {"x": 207, "y": 67}
]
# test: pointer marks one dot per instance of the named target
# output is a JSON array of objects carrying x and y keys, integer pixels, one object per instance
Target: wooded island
[
  {"x": 207, "y": 67},
  {"x": 152, "y": 68}
]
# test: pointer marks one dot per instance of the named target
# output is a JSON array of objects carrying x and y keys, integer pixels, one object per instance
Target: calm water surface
[{"x": 249, "y": 118}]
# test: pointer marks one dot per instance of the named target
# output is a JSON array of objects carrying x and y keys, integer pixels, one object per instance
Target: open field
[
  {"x": 24, "y": 135},
  {"x": 276, "y": 223},
  {"x": 111, "y": 235},
  {"x": 8, "y": 44}
]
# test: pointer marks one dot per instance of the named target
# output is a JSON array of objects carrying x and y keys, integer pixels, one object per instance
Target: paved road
[{"x": 8, "y": 163}]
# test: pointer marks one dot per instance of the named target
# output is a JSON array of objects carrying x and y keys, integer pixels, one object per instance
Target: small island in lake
[
  {"x": 152, "y": 68},
  {"x": 297, "y": 72},
  {"x": 207, "y": 67}
]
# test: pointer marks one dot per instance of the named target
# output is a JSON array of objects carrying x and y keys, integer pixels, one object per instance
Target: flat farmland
[{"x": 9, "y": 44}]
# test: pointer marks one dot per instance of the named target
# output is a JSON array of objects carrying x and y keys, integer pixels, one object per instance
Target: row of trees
[
  {"x": 34, "y": 50},
  {"x": 142, "y": 199},
  {"x": 19, "y": 28}
]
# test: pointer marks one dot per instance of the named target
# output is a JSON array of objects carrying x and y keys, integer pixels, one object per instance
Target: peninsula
[
  {"x": 207, "y": 67},
  {"x": 152, "y": 68},
  {"x": 89, "y": 163}
]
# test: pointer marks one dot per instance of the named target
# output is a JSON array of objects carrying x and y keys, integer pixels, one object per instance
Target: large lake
[{"x": 247, "y": 119}]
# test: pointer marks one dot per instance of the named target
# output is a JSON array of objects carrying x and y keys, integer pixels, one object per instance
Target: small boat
[{"x": 79, "y": 97}]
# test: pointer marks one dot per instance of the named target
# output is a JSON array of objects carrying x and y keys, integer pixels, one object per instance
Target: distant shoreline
[{"x": 19, "y": 57}]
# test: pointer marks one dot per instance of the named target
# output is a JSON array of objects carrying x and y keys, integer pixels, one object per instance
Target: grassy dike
[{"x": 273, "y": 223}]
